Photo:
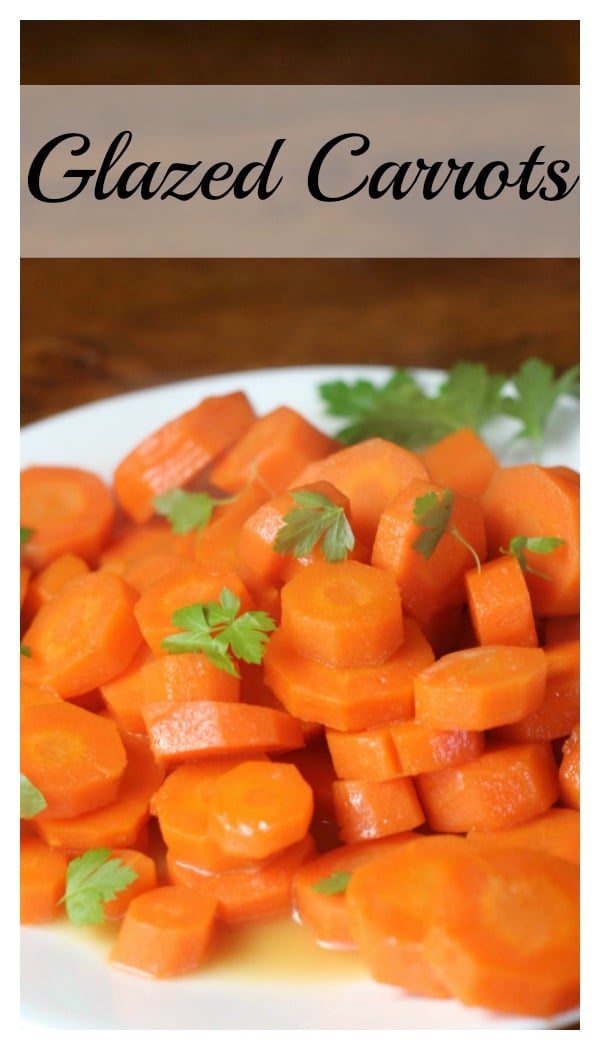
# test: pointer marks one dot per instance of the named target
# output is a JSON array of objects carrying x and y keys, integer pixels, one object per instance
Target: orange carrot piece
[
  {"x": 507, "y": 938},
  {"x": 203, "y": 728},
  {"x": 461, "y": 461},
  {"x": 147, "y": 879},
  {"x": 506, "y": 785},
  {"x": 370, "y": 473},
  {"x": 165, "y": 932},
  {"x": 371, "y": 809},
  {"x": 138, "y": 544},
  {"x": 38, "y": 694},
  {"x": 119, "y": 824},
  {"x": 368, "y": 754},
  {"x": 314, "y": 764},
  {"x": 324, "y": 911},
  {"x": 500, "y": 604},
  {"x": 420, "y": 749},
  {"x": 43, "y": 874},
  {"x": 556, "y": 831},
  {"x": 559, "y": 711},
  {"x": 253, "y": 893},
  {"x": 47, "y": 583},
  {"x": 392, "y": 903},
  {"x": 480, "y": 688},
  {"x": 83, "y": 637},
  {"x": 179, "y": 450},
  {"x": 351, "y": 698},
  {"x": 569, "y": 771},
  {"x": 74, "y": 757},
  {"x": 530, "y": 500},
  {"x": 124, "y": 695},
  {"x": 218, "y": 542},
  {"x": 276, "y": 447},
  {"x": 259, "y": 808},
  {"x": 179, "y": 677},
  {"x": 69, "y": 510}
]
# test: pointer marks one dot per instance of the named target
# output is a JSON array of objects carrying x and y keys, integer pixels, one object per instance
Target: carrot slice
[
  {"x": 179, "y": 677},
  {"x": 367, "y": 754},
  {"x": 124, "y": 695},
  {"x": 460, "y": 461},
  {"x": 370, "y": 809},
  {"x": 165, "y": 932},
  {"x": 69, "y": 510},
  {"x": 420, "y": 749},
  {"x": 38, "y": 694},
  {"x": 500, "y": 604},
  {"x": 147, "y": 878},
  {"x": 480, "y": 688},
  {"x": 48, "y": 582},
  {"x": 218, "y": 542},
  {"x": 43, "y": 874},
  {"x": 556, "y": 831},
  {"x": 259, "y": 808},
  {"x": 172, "y": 455},
  {"x": 507, "y": 784},
  {"x": 559, "y": 711},
  {"x": 84, "y": 636},
  {"x": 507, "y": 936},
  {"x": 569, "y": 773},
  {"x": 136, "y": 545},
  {"x": 347, "y": 698},
  {"x": 74, "y": 757}
]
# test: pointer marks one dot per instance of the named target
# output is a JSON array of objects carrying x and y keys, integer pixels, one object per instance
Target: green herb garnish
[
  {"x": 315, "y": 520},
  {"x": 332, "y": 884},
  {"x": 519, "y": 545},
  {"x": 32, "y": 800},
  {"x": 432, "y": 513},
  {"x": 93, "y": 879},
  {"x": 187, "y": 510}
]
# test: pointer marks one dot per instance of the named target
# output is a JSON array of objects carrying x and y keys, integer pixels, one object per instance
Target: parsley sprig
[
  {"x": 215, "y": 629},
  {"x": 519, "y": 545},
  {"x": 32, "y": 800},
  {"x": 332, "y": 884},
  {"x": 315, "y": 520},
  {"x": 188, "y": 510},
  {"x": 537, "y": 390},
  {"x": 93, "y": 879},
  {"x": 432, "y": 512}
]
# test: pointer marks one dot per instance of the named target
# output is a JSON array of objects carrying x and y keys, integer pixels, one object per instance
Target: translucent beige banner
[{"x": 300, "y": 171}]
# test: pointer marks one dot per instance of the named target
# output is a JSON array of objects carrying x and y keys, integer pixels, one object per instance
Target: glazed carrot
[
  {"x": 217, "y": 543},
  {"x": 561, "y": 629},
  {"x": 371, "y": 809},
  {"x": 147, "y": 879},
  {"x": 429, "y": 586},
  {"x": 43, "y": 874},
  {"x": 204, "y": 728},
  {"x": 507, "y": 937},
  {"x": 259, "y": 808},
  {"x": 351, "y": 698},
  {"x": 47, "y": 583},
  {"x": 276, "y": 447},
  {"x": 480, "y": 688},
  {"x": 179, "y": 450},
  {"x": 420, "y": 749},
  {"x": 179, "y": 677},
  {"x": 119, "y": 824},
  {"x": 370, "y": 473},
  {"x": 460, "y": 461},
  {"x": 75, "y": 758},
  {"x": 556, "y": 831},
  {"x": 343, "y": 614},
  {"x": 69, "y": 511},
  {"x": 253, "y": 893},
  {"x": 319, "y": 904},
  {"x": 83, "y": 637},
  {"x": 569, "y": 771},
  {"x": 314, "y": 764},
  {"x": 165, "y": 932},
  {"x": 124, "y": 694},
  {"x": 367, "y": 754},
  {"x": 530, "y": 500},
  {"x": 506, "y": 785},
  {"x": 499, "y": 603},
  {"x": 38, "y": 694},
  {"x": 135, "y": 544},
  {"x": 392, "y": 903},
  {"x": 559, "y": 711}
]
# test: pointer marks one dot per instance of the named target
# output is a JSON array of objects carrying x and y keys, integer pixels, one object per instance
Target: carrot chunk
[
  {"x": 556, "y": 831},
  {"x": 370, "y": 809},
  {"x": 147, "y": 879},
  {"x": 367, "y": 754},
  {"x": 500, "y": 604},
  {"x": 569, "y": 773},
  {"x": 420, "y": 749},
  {"x": 165, "y": 932},
  {"x": 559, "y": 711},
  {"x": 460, "y": 461},
  {"x": 43, "y": 874},
  {"x": 48, "y": 581}
]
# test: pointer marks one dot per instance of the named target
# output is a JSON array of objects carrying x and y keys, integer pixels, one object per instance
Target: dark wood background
[{"x": 93, "y": 327}]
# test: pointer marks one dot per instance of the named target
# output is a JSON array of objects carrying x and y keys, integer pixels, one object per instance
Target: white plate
[{"x": 65, "y": 981}]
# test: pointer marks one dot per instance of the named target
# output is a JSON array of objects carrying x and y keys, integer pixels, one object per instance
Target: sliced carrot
[
  {"x": 506, "y": 785},
  {"x": 47, "y": 583},
  {"x": 351, "y": 698},
  {"x": 461, "y": 461},
  {"x": 218, "y": 542},
  {"x": 69, "y": 511},
  {"x": 259, "y": 808},
  {"x": 179, "y": 677},
  {"x": 318, "y": 904},
  {"x": 371, "y": 809},
  {"x": 276, "y": 447},
  {"x": 507, "y": 938},
  {"x": 38, "y": 694},
  {"x": 124, "y": 694},
  {"x": 166, "y": 931},
  {"x": 529, "y": 500},
  {"x": 202, "y": 728},
  {"x": 420, "y": 749},
  {"x": 480, "y": 688},
  {"x": 370, "y": 473},
  {"x": 367, "y": 754},
  {"x": 138, "y": 545},
  {"x": 254, "y": 893},
  {"x": 144, "y": 867},
  {"x": 84, "y": 636},
  {"x": 176, "y": 452},
  {"x": 569, "y": 773},
  {"x": 119, "y": 824},
  {"x": 556, "y": 831},
  {"x": 43, "y": 875},
  {"x": 343, "y": 614},
  {"x": 74, "y": 757},
  {"x": 314, "y": 763},
  {"x": 559, "y": 711},
  {"x": 500, "y": 604}
]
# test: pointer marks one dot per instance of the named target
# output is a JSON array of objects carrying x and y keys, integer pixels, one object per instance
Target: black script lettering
[
  {"x": 395, "y": 184},
  {"x": 429, "y": 190},
  {"x": 522, "y": 181},
  {"x": 314, "y": 172},
  {"x": 479, "y": 185},
  {"x": 560, "y": 183},
  {"x": 37, "y": 164},
  {"x": 262, "y": 182},
  {"x": 115, "y": 151}
]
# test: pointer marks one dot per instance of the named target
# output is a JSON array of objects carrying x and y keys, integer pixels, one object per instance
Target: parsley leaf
[
  {"x": 32, "y": 801},
  {"x": 539, "y": 544},
  {"x": 315, "y": 519},
  {"x": 432, "y": 513},
  {"x": 187, "y": 510},
  {"x": 537, "y": 391},
  {"x": 25, "y": 650},
  {"x": 337, "y": 882},
  {"x": 215, "y": 627},
  {"x": 93, "y": 879},
  {"x": 26, "y": 534}
]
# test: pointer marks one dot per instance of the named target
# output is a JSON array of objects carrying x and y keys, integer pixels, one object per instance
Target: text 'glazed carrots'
[{"x": 337, "y": 692}]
